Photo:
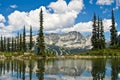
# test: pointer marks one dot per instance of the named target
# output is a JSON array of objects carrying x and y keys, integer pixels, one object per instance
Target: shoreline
[{"x": 21, "y": 57}]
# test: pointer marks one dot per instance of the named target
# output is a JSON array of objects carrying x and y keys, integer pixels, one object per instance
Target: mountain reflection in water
[{"x": 60, "y": 69}]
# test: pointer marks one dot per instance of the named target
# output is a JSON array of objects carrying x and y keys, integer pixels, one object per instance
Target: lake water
[{"x": 60, "y": 69}]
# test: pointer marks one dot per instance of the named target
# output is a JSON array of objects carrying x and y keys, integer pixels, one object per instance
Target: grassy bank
[
  {"x": 21, "y": 55},
  {"x": 104, "y": 53}
]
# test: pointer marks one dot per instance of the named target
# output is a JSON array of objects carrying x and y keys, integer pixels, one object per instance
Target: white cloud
[
  {"x": 104, "y": 2},
  {"x": 2, "y": 18},
  {"x": 76, "y": 5},
  {"x": 59, "y": 6},
  {"x": 13, "y": 6},
  {"x": 81, "y": 27},
  {"x": 64, "y": 15},
  {"x": 87, "y": 26}
]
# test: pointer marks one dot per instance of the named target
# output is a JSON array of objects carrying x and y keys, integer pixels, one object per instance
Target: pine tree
[
  {"x": 18, "y": 43},
  {"x": 113, "y": 32},
  {"x": 21, "y": 42},
  {"x": 98, "y": 34},
  {"x": 40, "y": 39},
  {"x": 15, "y": 45},
  {"x": 12, "y": 46},
  {"x": 98, "y": 39},
  {"x": 102, "y": 37},
  {"x": 2, "y": 44},
  {"x": 94, "y": 33},
  {"x": 8, "y": 44},
  {"x": 31, "y": 43},
  {"x": 24, "y": 40}
]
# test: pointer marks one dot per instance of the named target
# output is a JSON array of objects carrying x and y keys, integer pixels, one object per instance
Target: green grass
[{"x": 103, "y": 52}]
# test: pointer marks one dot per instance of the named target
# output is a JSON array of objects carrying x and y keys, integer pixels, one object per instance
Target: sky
[{"x": 60, "y": 16}]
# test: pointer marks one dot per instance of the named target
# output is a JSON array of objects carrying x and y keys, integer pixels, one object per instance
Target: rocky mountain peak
[{"x": 70, "y": 40}]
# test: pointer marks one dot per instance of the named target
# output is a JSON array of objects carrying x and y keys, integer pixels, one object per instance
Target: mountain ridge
[{"x": 68, "y": 41}]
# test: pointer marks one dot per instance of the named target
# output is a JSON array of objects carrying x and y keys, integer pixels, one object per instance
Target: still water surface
[{"x": 60, "y": 69}]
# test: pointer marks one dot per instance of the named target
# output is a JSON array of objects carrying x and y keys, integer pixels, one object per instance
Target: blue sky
[{"x": 60, "y": 16}]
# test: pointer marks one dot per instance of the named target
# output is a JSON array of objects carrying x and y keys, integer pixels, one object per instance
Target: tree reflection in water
[
  {"x": 115, "y": 65},
  {"x": 30, "y": 68},
  {"x": 40, "y": 69},
  {"x": 98, "y": 69}
]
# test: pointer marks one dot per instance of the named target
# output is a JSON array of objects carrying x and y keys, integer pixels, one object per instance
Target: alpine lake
[{"x": 60, "y": 69}]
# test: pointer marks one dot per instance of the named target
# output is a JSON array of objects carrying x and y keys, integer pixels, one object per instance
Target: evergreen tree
[
  {"x": 40, "y": 39},
  {"x": 24, "y": 40},
  {"x": 31, "y": 43},
  {"x": 113, "y": 32},
  {"x": 2, "y": 44},
  {"x": 98, "y": 39},
  {"x": 98, "y": 34},
  {"x": 20, "y": 42},
  {"x": 12, "y": 46},
  {"x": 15, "y": 45},
  {"x": 102, "y": 37},
  {"x": 94, "y": 33},
  {"x": 8, "y": 44}
]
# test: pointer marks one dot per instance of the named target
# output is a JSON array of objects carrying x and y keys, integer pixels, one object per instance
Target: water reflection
[
  {"x": 40, "y": 69},
  {"x": 115, "y": 65},
  {"x": 98, "y": 69},
  {"x": 60, "y": 69}
]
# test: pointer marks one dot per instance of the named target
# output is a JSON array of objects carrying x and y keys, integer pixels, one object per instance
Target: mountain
[
  {"x": 68, "y": 40},
  {"x": 66, "y": 43}
]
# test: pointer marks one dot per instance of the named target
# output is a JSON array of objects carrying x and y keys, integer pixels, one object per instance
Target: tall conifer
[
  {"x": 94, "y": 33},
  {"x": 2, "y": 44},
  {"x": 102, "y": 37},
  {"x": 40, "y": 39},
  {"x": 21, "y": 42},
  {"x": 12, "y": 46},
  {"x": 31, "y": 43},
  {"x": 8, "y": 44},
  {"x": 113, "y": 31},
  {"x": 24, "y": 40}
]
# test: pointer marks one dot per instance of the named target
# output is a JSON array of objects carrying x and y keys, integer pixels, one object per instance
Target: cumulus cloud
[
  {"x": 2, "y": 18},
  {"x": 87, "y": 26},
  {"x": 104, "y": 2},
  {"x": 13, "y": 6},
  {"x": 64, "y": 15},
  {"x": 59, "y": 6}
]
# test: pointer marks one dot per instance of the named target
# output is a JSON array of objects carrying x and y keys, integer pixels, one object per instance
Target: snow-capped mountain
[{"x": 68, "y": 41}]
